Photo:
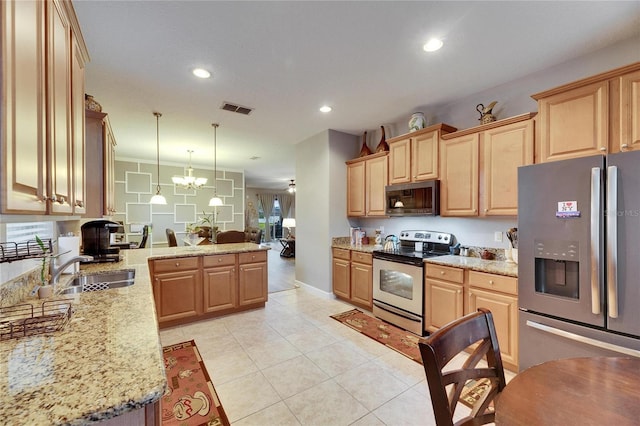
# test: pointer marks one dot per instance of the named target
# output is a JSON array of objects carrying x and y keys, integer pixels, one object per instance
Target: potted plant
[
  {"x": 206, "y": 226},
  {"x": 44, "y": 289}
]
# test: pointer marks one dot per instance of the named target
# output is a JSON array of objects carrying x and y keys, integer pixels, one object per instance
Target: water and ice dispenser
[{"x": 557, "y": 268}]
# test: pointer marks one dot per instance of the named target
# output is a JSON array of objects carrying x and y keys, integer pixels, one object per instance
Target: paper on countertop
[{"x": 72, "y": 246}]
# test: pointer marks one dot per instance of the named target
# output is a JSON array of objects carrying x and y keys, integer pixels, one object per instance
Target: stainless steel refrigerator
[{"x": 579, "y": 258}]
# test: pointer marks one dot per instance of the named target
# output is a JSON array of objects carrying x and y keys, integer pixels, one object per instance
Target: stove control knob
[{"x": 439, "y": 237}]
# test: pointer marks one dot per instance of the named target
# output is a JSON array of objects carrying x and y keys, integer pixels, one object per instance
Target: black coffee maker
[{"x": 96, "y": 240}]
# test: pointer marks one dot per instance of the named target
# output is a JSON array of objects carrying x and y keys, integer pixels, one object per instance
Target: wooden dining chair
[
  {"x": 171, "y": 237},
  {"x": 446, "y": 385},
  {"x": 230, "y": 237}
]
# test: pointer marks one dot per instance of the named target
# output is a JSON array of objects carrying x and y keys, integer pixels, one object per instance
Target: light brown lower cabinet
[
  {"x": 499, "y": 294},
  {"x": 177, "y": 288},
  {"x": 352, "y": 277},
  {"x": 187, "y": 289},
  {"x": 444, "y": 296},
  {"x": 452, "y": 292}
]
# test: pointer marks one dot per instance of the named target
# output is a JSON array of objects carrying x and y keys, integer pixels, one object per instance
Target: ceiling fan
[{"x": 292, "y": 187}]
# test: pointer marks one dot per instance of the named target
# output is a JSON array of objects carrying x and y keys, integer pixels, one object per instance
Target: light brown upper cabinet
[
  {"x": 366, "y": 179},
  {"x": 479, "y": 167},
  {"x": 41, "y": 136},
  {"x": 595, "y": 115},
  {"x": 414, "y": 156}
]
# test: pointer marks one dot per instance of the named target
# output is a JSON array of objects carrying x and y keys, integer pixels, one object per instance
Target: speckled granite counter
[
  {"x": 107, "y": 361},
  {"x": 476, "y": 264},
  {"x": 367, "y": 248}
]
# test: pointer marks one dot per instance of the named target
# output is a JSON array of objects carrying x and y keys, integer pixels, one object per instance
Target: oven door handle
[{"x": 397, "y": 311}]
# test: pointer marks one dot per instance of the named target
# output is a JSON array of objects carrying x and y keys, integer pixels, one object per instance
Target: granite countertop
[
  {"x": 477, "y": 264},
  {"x": 108, "y": 358},
  {"x": 473, "y": 263}
]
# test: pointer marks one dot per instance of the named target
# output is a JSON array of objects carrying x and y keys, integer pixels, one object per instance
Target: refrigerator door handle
[
  {"x": 612, "y": 240},
  {"x": 595, "y": 240},
  {"x": 583, "y": 339}
]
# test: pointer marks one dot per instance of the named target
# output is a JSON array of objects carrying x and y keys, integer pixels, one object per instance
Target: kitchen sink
[{"x": 100, "y": 281}]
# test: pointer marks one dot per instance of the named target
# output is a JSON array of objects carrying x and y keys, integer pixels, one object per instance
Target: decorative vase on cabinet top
[
  {"x": 417, "y": 121},
  {"x": 91, "y": 104},
  {"x": 364, "y": 151},
  {"x": 383, "y": 145}
]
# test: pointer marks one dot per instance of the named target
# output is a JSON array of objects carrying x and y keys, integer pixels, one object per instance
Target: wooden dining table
[{"x": 573, "y": 391}]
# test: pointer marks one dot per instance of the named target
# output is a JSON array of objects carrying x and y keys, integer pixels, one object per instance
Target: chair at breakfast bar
[
  {"x": 447, "y": 342},
  {"x": 171, "y": 237}
]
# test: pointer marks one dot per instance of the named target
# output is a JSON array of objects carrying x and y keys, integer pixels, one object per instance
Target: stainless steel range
[{"x": 398, "y": 277}]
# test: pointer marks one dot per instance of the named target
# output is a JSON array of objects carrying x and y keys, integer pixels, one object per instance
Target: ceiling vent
[{"x": 227, "y": 106}]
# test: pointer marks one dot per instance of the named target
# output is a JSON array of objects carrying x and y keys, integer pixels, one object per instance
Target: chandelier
[
  {"x": 292, "y": 187},
  {"x": 189, "y": 181}
]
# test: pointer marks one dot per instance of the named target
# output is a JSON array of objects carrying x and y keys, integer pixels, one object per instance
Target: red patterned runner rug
[
  {"x": 190, "y": 399},
  {"x": 389, "y": 335}
]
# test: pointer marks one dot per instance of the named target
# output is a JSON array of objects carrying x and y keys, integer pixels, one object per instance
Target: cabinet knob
[
  {"x": 441, "y": 272},
  {"x": 253, "y": 257},
  {"x": 491, "y": 282},
  {"x": 486, "y": 210},
  {"x": 219, "y": 260},
  {"x": 624, "y": 146},
  {"x": 603, "y": 149},
  {"x": 177, "y": 263},
  {"x": 60, "y": 199}
]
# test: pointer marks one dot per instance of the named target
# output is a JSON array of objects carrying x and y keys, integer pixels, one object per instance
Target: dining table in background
[{"x": 573, "y": 391}]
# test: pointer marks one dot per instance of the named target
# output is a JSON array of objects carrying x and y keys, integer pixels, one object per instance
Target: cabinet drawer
[
  {"x": 177, "y": 264},
  {"x": 220, "y": 260},
  {"x": 342, "y": 253},
  {"x": 446, "y": 273},
  {"x": 494, "y": 282},
  {"x": 360, "y": 257},
  {"x": 252, "y": 257}
]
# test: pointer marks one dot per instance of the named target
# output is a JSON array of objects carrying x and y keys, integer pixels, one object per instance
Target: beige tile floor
[{"x": 291, "y": 364}]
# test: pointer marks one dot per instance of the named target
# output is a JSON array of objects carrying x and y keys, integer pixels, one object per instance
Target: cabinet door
[
  {"x": 59, "y": 110},
  {"x": 177, "y": 295},
  {"x": 629, "y": 107},
  {"x": 574, "y": 123},
  {"x": 252, "y": 283},
  {"x": 444, "y": 302},
  {"x": 505, "y": 317},
  {"x": 23, "y": 107},
  {"x": 424, "y": 156},
  {"x": 400, "y": 161},
  {"x": 376, "y": 180},
  {"x": 356, "y": 189},
  {"x": 341, "y": 278},
  {"x": 94, "y": 161},
  {"x": 109, "y": 169},
  {"x": 78, "y": 132},
  {"x": 220, "y": 289},
  {"x": 459, "y": 174},
  {"x": 504, "y": 149},
  {"x": 362, "y": 284}
]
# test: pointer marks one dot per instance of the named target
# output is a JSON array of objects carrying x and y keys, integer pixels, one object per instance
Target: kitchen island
[{"x": 106, "y": 362}]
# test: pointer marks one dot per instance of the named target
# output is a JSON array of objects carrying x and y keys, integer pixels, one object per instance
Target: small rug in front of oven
[{"x": 400, "y": 340}]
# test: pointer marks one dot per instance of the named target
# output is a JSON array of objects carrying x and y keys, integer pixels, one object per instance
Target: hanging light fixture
[
  {"x": 189, "y": 181},
  {"x": 215, "y": 200},
  {"x": 158, "y": 198},
  {"x": 292, "y": 187}
]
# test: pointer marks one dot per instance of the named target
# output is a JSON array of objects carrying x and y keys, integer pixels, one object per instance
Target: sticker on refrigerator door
[{"x": 567, "y": 209}]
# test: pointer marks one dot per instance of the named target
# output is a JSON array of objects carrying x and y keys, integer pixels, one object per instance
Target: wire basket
[{"x": 27, "y": 320}]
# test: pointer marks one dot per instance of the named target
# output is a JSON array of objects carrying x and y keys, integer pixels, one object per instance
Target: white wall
[{"x": 320, "y": 203}]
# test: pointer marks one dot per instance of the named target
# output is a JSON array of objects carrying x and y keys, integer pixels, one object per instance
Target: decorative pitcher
[{"x": 417, "y": 121}]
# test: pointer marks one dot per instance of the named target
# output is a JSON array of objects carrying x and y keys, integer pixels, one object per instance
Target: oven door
[{"x": 398, "y": 285}]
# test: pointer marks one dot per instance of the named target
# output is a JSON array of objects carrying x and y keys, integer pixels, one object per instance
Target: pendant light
[
  {"x": 158, "y": 198},
  {"x": 215, "y": 200}
]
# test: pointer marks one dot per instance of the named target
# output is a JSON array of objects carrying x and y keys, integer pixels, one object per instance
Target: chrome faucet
[{"x": 55, "y": 271}]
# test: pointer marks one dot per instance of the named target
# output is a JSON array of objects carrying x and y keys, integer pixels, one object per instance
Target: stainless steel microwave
[{"x": 413, "y": 199}]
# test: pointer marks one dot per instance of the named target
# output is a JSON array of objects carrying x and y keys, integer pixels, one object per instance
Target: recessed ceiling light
[
  {"x": 201, "y": 72},
  {"x": 432, "y": 45},
  {"x": 325, "y": 108}
]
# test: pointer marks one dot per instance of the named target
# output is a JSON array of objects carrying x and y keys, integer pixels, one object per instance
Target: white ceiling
[{"x": 286, "y": 59}]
